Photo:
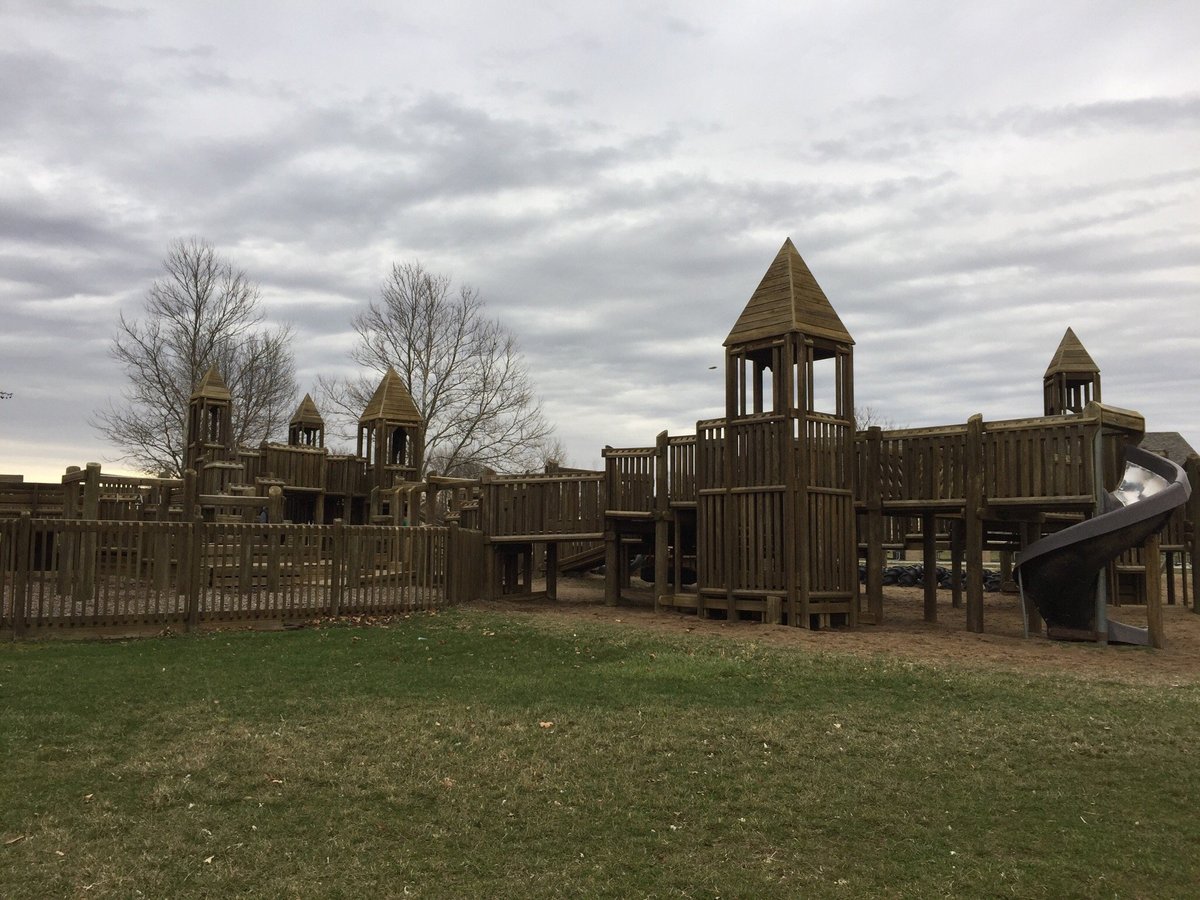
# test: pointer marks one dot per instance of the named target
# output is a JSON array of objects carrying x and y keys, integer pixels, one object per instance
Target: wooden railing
[
  {"x": 917, "y": 465},
  {"x": 1048, "y": 461},
  {"x": 297, "y": 467},
  {"x": 681, "y": 469},
  {"x": 1041, "y": 458},
  {"x": 542, "y": 507},
  {"x": 16, "y": 497},
  {"x": 629, "y": 474},
  {"x": 60, "y": 574},
  {"x": 710, "y": 455}
]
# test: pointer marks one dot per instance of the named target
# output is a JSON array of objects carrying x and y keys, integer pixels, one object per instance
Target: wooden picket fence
[{"x": 84, "y": 575}]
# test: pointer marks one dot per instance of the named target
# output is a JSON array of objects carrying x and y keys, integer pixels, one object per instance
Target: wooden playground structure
[{"x": 766, "y": 513}]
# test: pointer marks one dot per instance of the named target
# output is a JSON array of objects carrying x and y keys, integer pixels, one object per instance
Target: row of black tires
[{"x": 914, "y": 576}]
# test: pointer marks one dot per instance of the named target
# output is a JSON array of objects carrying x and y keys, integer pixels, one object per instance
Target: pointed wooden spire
[
  {"x": 211, "y": 387},
  {"x": 307, "y": 413},
  {"x": 391, "y": 402},
  {"x": 788, "y": 299},
  {"x": 1071, "y": 356}
]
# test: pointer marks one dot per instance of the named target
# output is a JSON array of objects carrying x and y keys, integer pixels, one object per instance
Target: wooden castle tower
[
  {"x": 210, "y": 422},
  {"x": 307, "y": 427},
  {"x": 775, "y": 504},
  {"x": 391, "y": 434},
  {"x": 1072, "y": 379}
]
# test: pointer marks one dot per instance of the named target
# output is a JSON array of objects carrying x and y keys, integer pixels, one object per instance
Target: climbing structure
[{"x": 775, "y": 505}]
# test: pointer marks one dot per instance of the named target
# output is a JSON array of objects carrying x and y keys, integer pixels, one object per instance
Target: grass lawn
[{"x": 473, "y": 754}]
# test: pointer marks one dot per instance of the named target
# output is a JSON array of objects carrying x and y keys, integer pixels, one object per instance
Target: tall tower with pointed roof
[
  {"x": 782, "y": 519},
  {"x": 1072, "y": 379},
  {"x": 391, "y": 434},
  {"x": 210, "y": 422},
  {"x": 306, "y": 428}
]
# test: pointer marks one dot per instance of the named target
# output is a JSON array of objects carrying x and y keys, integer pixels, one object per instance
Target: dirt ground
[{"x": 905, "y": 635}]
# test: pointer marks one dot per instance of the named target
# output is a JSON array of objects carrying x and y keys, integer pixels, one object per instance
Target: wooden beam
[
  {"x": 929, "y": 560},
  {"x": 662, "y": 522},
  {"x": 973, "y": 523},
  {"x": 1154, "y": 614}
]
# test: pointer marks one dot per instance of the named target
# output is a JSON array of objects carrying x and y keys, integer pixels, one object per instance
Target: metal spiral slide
[{"x": 1059, "y": 572}]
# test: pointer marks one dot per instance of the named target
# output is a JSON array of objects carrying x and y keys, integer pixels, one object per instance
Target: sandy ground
[{"x": 905, "y": 635}]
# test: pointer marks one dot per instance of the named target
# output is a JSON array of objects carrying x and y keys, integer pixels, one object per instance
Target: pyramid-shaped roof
[
  {"x": 307, "y": 413},
  {"x": 788, "y": 299},
  {"x": 391, "y": 402},
  {"x": 211, "y": 387},
  {"x": 1071, "y": 357}
]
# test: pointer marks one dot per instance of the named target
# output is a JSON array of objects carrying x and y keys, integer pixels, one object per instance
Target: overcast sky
[{"x": 965, "y": 180}]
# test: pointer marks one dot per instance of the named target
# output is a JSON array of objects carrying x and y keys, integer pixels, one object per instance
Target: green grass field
[{"x": 470, "y": 754}]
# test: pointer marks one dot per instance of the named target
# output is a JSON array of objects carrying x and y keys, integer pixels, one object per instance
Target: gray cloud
[{"x": 615, "y": 185}]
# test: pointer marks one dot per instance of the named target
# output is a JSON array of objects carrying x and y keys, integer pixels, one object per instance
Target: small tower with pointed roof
[
  {"x": 1072, "y": 379},
  {"x": 786, "y": 515},
  {"x": 306, "y": 428},
  {"x": 210, "y": 422},
  {"x": 391, "y": 434}
]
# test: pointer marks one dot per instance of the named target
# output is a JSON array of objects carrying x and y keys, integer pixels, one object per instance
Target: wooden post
[
  {"x": 337, "y": 574},
  {"x": 612, "y": 574},
  {"x": 21, "y": 564},
  {"x": 785, "y": 402},
  {"x": 803, "y": 538},
  {"x": 662, "y": 524},
  {"x": 1100, "y": 623},
  {"x": 274, "y": 516},
  {"x": 957, "y": 545},
  {"x": 1030, "y": 532},
  {"x": 1154, "y": 614},
  {"x": 90, "y": 540},
  {"x": 929, "y": 561},
  {"x": 734, "y": 386},
  {"x": 68, "y": 541},
  {"x": 188, "y": 514},
  {"x": 1169, "y": 561},
  {"x": 431, "y": 500},
  {"x": 551, "y": 569},
  {"x": 874, "y": 496},
  {"x": 526, "y": 568},
  {"x": 973, "y": 523},
  {"x": 1192, "y": 530},
  {"x": 192, "y": 587},
  {"x": 275, "y": 504},
  {"x": 91, "y": 492}
]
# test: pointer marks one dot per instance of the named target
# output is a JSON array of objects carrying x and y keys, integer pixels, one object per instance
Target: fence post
[
  {"x": 67, "y": 540},
  {"x": 195, "y": 568},
  {"x": 454, "y": 589},
  {"x": 274, "y": 515},
  {"x": 21, "y": 562},
  {"x": 90, "y": 539},
  {"x": 337, "y": 567}
]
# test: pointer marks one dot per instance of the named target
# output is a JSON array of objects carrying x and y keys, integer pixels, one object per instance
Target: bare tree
[
  {"x": 465, "y": 372},
  {"x": 201, "y": 313},
  {"x": 867, "y": 416}
]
